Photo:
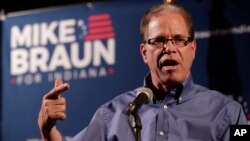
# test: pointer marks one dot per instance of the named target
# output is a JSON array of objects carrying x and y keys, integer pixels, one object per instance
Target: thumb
[
  {"x": 59, "y": 87},
  {"x": 58, "y": 82}
]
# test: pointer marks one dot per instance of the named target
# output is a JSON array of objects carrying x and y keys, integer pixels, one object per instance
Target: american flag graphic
[{"x": 99, "y": 27}]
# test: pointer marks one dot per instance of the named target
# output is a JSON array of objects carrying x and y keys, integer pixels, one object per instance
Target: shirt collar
[{"x": 176, "y": 94}]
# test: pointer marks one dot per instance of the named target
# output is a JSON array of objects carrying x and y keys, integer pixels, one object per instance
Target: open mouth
[{"x": 168, "y": 63}]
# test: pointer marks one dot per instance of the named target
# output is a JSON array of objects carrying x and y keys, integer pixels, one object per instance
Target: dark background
[{"x": 17, "y": 5}]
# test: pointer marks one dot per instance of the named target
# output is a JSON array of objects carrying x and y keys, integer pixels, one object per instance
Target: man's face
[{"x": 170, "y": 64}]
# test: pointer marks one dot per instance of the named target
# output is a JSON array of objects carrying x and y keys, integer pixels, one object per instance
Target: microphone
[{"x": 144, "y": 95}]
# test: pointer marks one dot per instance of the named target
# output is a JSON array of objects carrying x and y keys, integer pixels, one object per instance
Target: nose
[{"x": 169, "y": 47}]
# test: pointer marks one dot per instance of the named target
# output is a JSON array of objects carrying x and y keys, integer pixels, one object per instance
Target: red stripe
[
  {"x": 99, "y": 36},
  {"x": 98, "y": 24},
  {"x": 100, "y": 30},
  {"x": 99, "y": 17}
]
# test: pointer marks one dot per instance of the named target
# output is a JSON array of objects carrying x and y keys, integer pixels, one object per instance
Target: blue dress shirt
[{"x": 196, "y": 114}]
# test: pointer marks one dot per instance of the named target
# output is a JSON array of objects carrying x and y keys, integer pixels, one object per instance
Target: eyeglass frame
[{"x": 174, "y": 40}]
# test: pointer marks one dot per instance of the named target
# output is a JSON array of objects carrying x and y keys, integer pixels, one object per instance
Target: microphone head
[
  {"x": 143, "y": 95},
  {"x": 146, "y": 91}
]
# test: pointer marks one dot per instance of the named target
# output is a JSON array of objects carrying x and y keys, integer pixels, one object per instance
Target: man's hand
[{"x": 53, "y": 108}]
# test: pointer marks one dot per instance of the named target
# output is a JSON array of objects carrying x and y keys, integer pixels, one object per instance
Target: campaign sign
[{"x": 92, "y": 46}]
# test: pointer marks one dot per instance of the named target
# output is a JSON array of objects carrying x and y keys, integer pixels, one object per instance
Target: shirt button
[
  {"x": 161, "y": 133},
  {"x": 165, "y": 106},
  {"x": 180, "y": 98}
]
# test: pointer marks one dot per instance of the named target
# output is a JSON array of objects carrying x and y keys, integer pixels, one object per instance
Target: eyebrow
[
  {"x": 175, "y": 36},
  {"x": 178, "y": 36}
]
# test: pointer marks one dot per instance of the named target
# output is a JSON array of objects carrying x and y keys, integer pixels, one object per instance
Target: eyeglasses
[{"x": 177, "y": 41}]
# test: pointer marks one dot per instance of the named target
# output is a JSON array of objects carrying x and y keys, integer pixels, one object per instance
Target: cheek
[
  {"x": 155, "y": 56},
  {"x": 152, "y": 59},
  {"x": 188, "y": 59}
]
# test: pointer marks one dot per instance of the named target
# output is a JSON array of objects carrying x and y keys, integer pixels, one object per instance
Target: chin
[{"x": 175, "y": 79}]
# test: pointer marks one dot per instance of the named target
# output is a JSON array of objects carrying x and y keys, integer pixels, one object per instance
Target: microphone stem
[{"x": 137, "y": 127}]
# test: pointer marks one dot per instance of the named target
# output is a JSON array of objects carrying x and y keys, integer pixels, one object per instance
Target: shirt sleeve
[
  {"x": 236, "y": 116},
  {"x": 95, "y": 131}
]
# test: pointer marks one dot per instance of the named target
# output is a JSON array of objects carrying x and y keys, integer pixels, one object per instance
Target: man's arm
[{"x": 52, "y": 109}]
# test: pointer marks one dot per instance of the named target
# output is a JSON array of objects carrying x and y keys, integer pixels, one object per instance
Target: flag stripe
[
  {"x": 100, "y": 30},
  {"x": 99, "y": 17},
  {"x": 99, "y": 24},
  {"x": 99, "y": 36}
]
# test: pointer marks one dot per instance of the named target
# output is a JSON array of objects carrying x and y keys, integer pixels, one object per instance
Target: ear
[
  {"x": 193, "y": 46},
  {"x": 143, "y": 51}
]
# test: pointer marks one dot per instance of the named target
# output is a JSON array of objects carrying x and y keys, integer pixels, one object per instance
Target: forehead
[{"x": 167, "y": 23}]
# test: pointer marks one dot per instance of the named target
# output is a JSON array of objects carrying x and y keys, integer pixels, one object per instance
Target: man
[{"x": 180, "y": 111}]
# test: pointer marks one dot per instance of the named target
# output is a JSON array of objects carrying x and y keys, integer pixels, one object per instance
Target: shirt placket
[{"x": 162, "y": 123}]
